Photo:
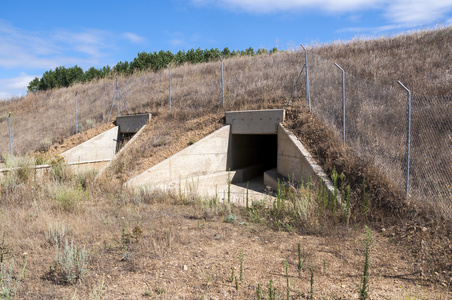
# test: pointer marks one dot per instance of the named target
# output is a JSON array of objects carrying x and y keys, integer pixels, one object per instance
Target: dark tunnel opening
[{"x": 254, "y": 152}]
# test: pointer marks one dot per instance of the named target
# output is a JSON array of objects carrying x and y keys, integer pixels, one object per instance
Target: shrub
[
  {"x": 70, "y": 263},
  {"x": 9, "y": 283},
  {"x": 67, "y": 198}
]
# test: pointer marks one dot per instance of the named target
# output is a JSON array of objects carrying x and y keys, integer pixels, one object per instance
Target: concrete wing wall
[
  {"x": 295, "y": 161},
  {"x": 209, "y": 155},
  {"x": 100, "y": 147}
]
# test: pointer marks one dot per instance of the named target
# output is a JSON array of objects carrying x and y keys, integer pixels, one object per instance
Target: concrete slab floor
[{"x": 257, "y": 191}]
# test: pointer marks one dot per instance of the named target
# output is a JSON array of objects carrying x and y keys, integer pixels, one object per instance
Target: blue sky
[{"x": 36, "y": 36}]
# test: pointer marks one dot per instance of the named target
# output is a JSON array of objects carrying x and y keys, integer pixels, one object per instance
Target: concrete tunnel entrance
[{"x": 253, "y": 147}]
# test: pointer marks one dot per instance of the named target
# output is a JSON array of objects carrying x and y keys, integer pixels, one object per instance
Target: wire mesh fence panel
[
  {"x": 376, "y": 126},
  {"x": 260, "y": 80},
  {"x": 376, "y": 129},
  {"x": 431, "y": 151},
  {"x": 326, "y": 90}
]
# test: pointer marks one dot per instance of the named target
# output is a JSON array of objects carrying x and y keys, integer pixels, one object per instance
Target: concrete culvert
[{"x": 253, "y": 147}]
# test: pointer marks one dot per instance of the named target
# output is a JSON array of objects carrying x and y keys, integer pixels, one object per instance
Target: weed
[
  {"x": 231, "y": 279},
  {"x": 271, "y": 291},
  {"x": 286, "y": 265},
  {"x": 367, "y": 242},
  {"x": 58, "y": 172},
  {"x": 241, "y": 265},
  {"x": 335, "y": 178},
  {"x": 230, "y": 218},
  {"x": 300, "y": 264},
  {"x": 20, "y": 172},
  {"x": 311, "y": 292},
  {"x": 347, "y": 206},
  {"x": 259, "y": 291},
  {"x": 8, "y": 282},
  {"x": 98, "y": 291}
]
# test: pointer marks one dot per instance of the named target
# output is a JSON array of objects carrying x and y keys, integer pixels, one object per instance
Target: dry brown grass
[{"x": 160, "y": 246}]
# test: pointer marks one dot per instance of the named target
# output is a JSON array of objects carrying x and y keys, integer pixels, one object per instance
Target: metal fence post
[
  {"x": 343, "y": 103},
  {"x": 10, "y": 135},
  {"x": 308, "y": 94},
  {"x": 76, "y": 121},
  {"x": 222, "y": 82},
  {"x": 408, "y": 139},
  {"x": 169, "y": 87}
]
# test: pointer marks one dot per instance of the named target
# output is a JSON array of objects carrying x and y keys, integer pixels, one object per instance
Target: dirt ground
[{"x": 186, "y": 252}]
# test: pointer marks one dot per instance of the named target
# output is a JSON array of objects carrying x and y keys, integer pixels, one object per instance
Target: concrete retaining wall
[
  {"x": 100, "y": 147},
  {"x": 295, "y": 161},
  {"x": 207, "y": 156}
]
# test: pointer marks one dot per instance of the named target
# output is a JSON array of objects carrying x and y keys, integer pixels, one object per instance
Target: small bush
[
  {"x": 21, "y": 172},
  {"x": 70, "y": 263},
  {"x": 8, "y": 283},
  {"x": 230, "y": 218},
  {"x": 68, "y": 198}
]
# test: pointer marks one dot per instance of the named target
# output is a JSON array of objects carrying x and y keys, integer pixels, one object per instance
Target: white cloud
[
  {"x": 270, "y": 6},
  {"x": 47, "y": 50},
  {"x": 134, "y": 38},
  {"x": 417, "y": 12},
  {"x": 10, "y": 87},
  {"x": 43, "y": 50},
  {"x": 406, "y": 12}
]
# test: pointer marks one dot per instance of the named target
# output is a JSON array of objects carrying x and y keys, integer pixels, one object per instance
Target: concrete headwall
[
  {"x": 99, "y": 148},
  {"x": 295, "y": 161},
  {"x": 207, "y": 156},
  {"x": 255, "y": 121},
  {"x": 131, "y": 124}
]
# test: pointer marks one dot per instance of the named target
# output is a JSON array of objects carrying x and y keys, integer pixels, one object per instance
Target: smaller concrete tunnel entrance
[{"x": 129, "y": 126}]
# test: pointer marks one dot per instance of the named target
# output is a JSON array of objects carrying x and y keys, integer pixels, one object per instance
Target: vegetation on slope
[{"x": 65, "y": 77}]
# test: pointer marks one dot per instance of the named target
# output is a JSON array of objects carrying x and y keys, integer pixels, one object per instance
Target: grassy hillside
[
  {"x": 421, "y": 60},
  {"x": 135, "y": 233}
]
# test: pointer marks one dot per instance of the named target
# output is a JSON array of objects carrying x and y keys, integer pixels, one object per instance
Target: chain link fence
[{"x": 376, "y": 119}]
